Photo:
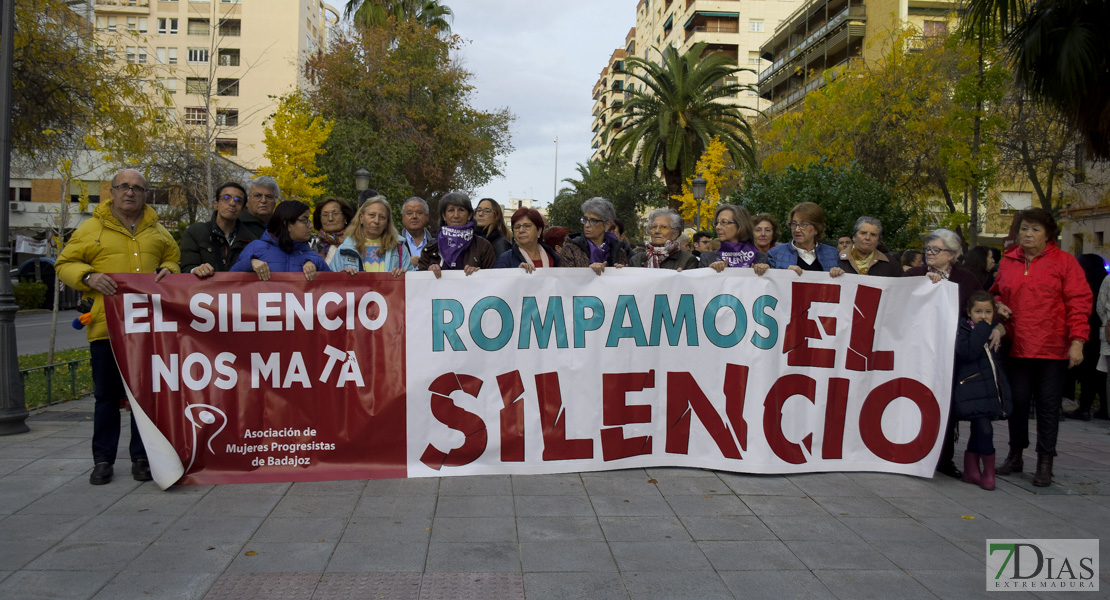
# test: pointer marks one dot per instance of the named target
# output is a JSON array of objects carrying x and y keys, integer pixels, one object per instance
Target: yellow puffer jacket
[{"x": 103, "y": 245}]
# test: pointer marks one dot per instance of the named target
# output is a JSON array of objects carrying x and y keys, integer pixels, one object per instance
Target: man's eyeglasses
[
  {"x": 232, "y": 199},
  {"x": 268, "y": 197},
  {"x": 589, "y": 221},
  {"x": 123, "y": 188},
  {"x": 802, "y": 225}
]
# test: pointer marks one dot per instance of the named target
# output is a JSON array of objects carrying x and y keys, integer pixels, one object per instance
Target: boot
[
  {"x": 1043, "y": 478},
  {"x": 987, "y": 480},
  {"x": 1013, "y": 462},
  {"x": 971, "y": 468}
]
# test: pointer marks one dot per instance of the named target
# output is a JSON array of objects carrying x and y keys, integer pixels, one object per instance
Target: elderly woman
[
  {"x": 863, "y": 256},
  {"x": 804, "y": 252},
  {"x": 457, "y": 247},
  {"x": 490, "y": 219},
  {"x": 765, "y": 232},
  {"x": 737, "y": 249},
  {"x": 1045, "y": 300},
  {"x": 284, "y": 247},
  {"x": 665, "y": 250},
  {"x": 372, "y": 244},
  {"x": 595, "y": 247},
  {"x": 942, "y": 248},
  {"x": 528, "y": 251},
  {"x": 331, "y": 217}
]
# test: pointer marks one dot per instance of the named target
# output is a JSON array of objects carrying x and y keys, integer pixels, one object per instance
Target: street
[{"x": 32, "y": 332}]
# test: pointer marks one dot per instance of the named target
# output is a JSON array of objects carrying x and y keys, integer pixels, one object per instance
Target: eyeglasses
[
  {"x": 267, "y": 197},
  {"x": 232, "y": 199},
  {"x": 483, "y": 211},
  {"x": 592, "y": 222},
  {"x": 802, "y": 225},
  {"x": 524, "y": 226},
  {"x": 305, "y": 221},
  {"x": 123, "y": 188},
  {"x": 934, "y": 250},
  {"x": 725, "y": 223},
  {"x": 660, "y": 227}
]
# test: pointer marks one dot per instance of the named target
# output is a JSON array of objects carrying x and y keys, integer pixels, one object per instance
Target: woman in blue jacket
[
  {"x": 804, "y": 252},
  {"x": 283, "y": 248},
  {"x": 372, "y": 244}
]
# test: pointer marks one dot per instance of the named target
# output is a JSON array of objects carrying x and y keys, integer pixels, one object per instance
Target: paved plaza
[{"x": 639, "y": 533}]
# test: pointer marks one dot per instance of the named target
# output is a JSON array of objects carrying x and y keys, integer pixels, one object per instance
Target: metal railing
[{"x": 48, "y": 371}]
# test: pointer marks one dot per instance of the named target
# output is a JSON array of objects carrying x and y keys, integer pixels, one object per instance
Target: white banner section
[{"x": 564, "y": 370}]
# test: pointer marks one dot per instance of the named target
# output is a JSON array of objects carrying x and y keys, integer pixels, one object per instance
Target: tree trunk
[
  {"x": 976, "y": 141},
  {"x": 673, "y": 180}
]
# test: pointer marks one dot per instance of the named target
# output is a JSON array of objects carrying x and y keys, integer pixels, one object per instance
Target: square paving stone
[
  {"x": 540, "y": 529},
  {"x": 920, "y": 508},
  {"x": 659, "y": 556},
  {"x": 36, "y": 585},
  {"x": 874, "y": 584},
  {"x": 212, "y": 530},
  {"x": 958, "y": 584},
  {"x": 776, "y": 585},
  {"x": 59, "y": 503},
  {"x": 14, "y": 528},
  {"x": 308, "y": 529},
  {"x": 398, "y": 507},
  {"x": 164, "y": 586},
  {"x": 553, "y": 506},
  {"x": 378, "y": 558},
  {"x": 15, "y": 554},
  {"x": 235, "y": 504},
  {"x": 264, "y": 586},
  {"x": 857, "y": 506},
  {"x": 574, "y": 586},
  {"x": 644, "y": 529},
  {"x": 474, "y": 529},
  {"x": 122, "y": 528},
  {"x": 417, "y": 486},
  {"x": 760, "y": 485},
  {"x": 356, "y": 586},
  {"x": 780, "y": 506},
  {"x": 87, "y": 556},
  {"x": 727, "y": 528},
  {"x": 9, "y": 465},
  {"x": 912, "y": 556},
  {"x": 889, "y": 485},
  {"x": 631, "y": 505},
  {"x": 548, "y": 485},
  {"x": 751, "y": 556},
  {"x": 184, "y": 557},
  {"x": 475, "y": 506},
  {"x": 368, "y": 530},
  {"x": 155, "y": 504},
  {"x": 335, "y": 505},
  {"x": 12, "y": 502},
  {"x": 484, "y": 557},
  {"x": 899, "y": 529},
  {"x": 701, "y": 485},
  {"x": 454, "y": 586},
  {"x": 273, "y": 557},
  {"x": 839, "y": 555},
  {"x": 810, "y": 528},
  {"x": 71, "y": 467},
  {"x": 611, "y": 486},
  {"x": 711, "y": 505},
  {"x": 346, "y": 487},
  {"x": 654, "y": 585},
  {"x": 476, "y": 485},
  {"x": 829, "y": 484},
  {"x": 566, "y": 556}
]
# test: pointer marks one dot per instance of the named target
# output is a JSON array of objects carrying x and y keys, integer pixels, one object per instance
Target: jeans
[
  {"x": 108, "y": 391},
  {"x": 1039, "y": 380}
]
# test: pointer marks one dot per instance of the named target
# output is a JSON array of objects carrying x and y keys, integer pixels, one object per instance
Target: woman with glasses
[
  {"x": 805, "y": 252},
  {"x": 457, "y": 246},
  {"x": 942, "y": 248},
  {"x": 595, "y": 247},
  {"x": 207, "y": 248},
  {"x": 372, "y": 244},
  {"x": 738, "y": 249},
  {"x": 528, "y": 251},
  {"x": 862, "y": 256},
  {"x": 331, "y": 218},
  {"x": 283, "y": 248},
  {"x": 665, "y": 250},
  {"x": 491, "y": 225}
]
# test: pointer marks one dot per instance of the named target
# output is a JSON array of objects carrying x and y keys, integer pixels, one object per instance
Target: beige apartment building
[{"x": 737, "y": 28}]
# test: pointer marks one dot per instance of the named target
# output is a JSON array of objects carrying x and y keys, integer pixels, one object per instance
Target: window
[
  {"x": 132, "y": 23},
  {"x": 160, "y": 55},
  {"x": 108, "y": 52},
  {"x": 167, "y": 26},
  {"x": 229, "y": 57},
  {"x": 935, "y": 28},
  {"x": 198, "y": 26},
  {"x": 227, "y": 87},
  {"x": 142, "y": 56},
  {"x": 227, "y": 147},
  {"x": 753, "y": 58},
  {"x": 230, "y": 27},
  {"x": 131, "y": 55},
  {"x": 143, "y": 24},
  {"x": 196, "y": 85},
  {"x": 755, "y": 25},
  {"x": 1014, "y": 201},
  {"x": 197, "y": 56},
  {"x": 230, "y": 1},
  {"x": 195, "y": 115},
  {"x": 172, "y": 60},
  {"x": 228, "y": 117},
  {"x": 169, "y": 84}
]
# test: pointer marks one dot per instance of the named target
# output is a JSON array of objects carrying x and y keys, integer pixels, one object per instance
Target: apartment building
[
  {"x": 825, "y": 34},
  {"x": 737, "y": 28},
  {"x": 221, "y": 61}
]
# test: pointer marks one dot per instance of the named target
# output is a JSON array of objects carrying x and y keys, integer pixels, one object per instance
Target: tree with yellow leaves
[
  {"x": 294, "y": 136},
  {"x": 719, "y": 174}
]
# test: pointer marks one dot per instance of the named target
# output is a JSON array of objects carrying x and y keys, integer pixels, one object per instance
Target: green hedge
[{"x": 34, "y": 384}]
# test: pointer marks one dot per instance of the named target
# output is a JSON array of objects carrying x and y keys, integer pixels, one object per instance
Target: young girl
[{"x": 981, "y": 392}]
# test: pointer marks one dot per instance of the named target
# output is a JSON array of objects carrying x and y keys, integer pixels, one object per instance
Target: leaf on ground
[
  {"x": 968, "y": 517},
  {"x": 653, "y": 481},
  {"x": 250, "y": 553}
]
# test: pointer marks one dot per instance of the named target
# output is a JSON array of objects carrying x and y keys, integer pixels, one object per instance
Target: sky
[{"x": 541, "y": 59}]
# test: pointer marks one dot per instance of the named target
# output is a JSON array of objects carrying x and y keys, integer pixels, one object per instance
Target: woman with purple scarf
[
  {"x": 738, "y": 249},
  {"x": 665, "y": 251},
  {"x": 457, "y": 247},
  {"x": 595, "y": 247}
]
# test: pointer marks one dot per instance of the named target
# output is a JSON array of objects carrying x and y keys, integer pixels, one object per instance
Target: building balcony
[
  {"x": 832, "y": 28},
  {"x": 130, "y": 7},
  {"x": 718, "y": 28}
]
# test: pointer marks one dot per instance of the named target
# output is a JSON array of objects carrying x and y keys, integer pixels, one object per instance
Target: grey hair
[
  {"x": 676, "y": 219},
  {"x": 600, "y": 207},
  {"x": 860, "y": 222},
  {"x": 416, "y": 199},
  {"x": 950, "y": 240},
  {"x": 267, "y": 182}
]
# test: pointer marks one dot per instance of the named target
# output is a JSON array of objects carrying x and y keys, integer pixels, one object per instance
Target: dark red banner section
[{"x": 251, "y": 381}]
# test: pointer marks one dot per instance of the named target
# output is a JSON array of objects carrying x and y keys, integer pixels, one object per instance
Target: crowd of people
[{"x": 1027, "y": 316}]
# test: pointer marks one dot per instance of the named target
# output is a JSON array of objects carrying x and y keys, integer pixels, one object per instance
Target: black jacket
[
  {"x": 205, "y": 243},
  {"x": 576, "y": 253},
  {"x": 980, "y": 388}
]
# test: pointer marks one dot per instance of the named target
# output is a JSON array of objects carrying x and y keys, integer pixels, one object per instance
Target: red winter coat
[{"x": 1050, "y": 299}]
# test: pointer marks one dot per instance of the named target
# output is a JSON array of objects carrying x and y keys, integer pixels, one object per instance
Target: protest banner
[{"x": 557, "y": 371}]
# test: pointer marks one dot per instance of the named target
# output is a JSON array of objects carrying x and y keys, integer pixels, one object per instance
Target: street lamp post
[
  {"x": 13, "y": 409},
  {"x": 697, "y": 188},
  {"x": 362, "y": 180}
]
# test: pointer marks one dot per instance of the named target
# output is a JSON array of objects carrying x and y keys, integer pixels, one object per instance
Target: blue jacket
[
  {"x": 784, "y": 255},
  {"x": 980, "y": 388},
  {"x": 267, "y": 250},
  {"x": 347, "y": 256},
  {"x": 512, "y": 258}
]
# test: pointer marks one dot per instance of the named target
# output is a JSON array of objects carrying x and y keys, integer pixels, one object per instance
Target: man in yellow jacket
[{"x": 123, "y": 236}]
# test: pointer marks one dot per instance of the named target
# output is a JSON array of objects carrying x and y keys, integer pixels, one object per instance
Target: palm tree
[
  {"x": 1060, "y": 54},
  {"x": 375, "y": 13},
  {"x": 670, "y": 120}
]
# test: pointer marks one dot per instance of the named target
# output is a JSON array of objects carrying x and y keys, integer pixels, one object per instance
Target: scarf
[
  {"x": 862, "y": 264},
  {"x": 601, "y": 254},
  {"x": 453, "y": 241},
  {"x": 738, "y": 254},
  {"x": 325, "y": 242},
  {"x": 545, "y": 260},
  {"x": 943, "y": 273},
  {"x": 656, "y": 255}
]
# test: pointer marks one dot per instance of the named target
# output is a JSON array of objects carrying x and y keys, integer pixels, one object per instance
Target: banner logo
[
  {"x": 210, "y": 420},
  {"x": 1049, "y": 565}
]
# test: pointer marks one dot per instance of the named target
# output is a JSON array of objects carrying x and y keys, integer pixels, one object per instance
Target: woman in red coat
[{"x": 1044, "y": 298}]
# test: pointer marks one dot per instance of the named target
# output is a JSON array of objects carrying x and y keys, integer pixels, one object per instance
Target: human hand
[
  {"x": 470, "y": 270},
  {"x": 350, "y": 271},
  {"x": 309, "y": 271},
  {"x": 161, "y": 273},
  {"x": 1075, "y": 354},
  {"x": 398, "y": 272},
  {"x": 1003, "y": 311},
  {"x": 598, "y": 267},
  {"x": 996, "y": 338},
  {"x": 102, "y": 283},
  {"x": 527, "y": 267},
  {"x": 261, "y": 269},
  {"x": 836, "y": 272},
  {"x": 761, "y": 268},
  {"x": 934, "y": 277},
  {"x": 435, "y": 270},
  {"x": 203, "y": 271},
  {"x": 795, "y": 268},
  {"x": 719, "y": 266}
]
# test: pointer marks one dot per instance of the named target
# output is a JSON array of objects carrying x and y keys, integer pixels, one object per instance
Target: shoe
[
  {"x": 1043, "y": 478},
  {"x": 950, "y": 470},
  {"x": 986, "y": 481},
  {"x": 1012, "y": 464},
  {"x": 971, "y": 468},
  {"x": 101, "y": 473},
  {"x": 140, "y": 470},
  {"x": 1079, "y": 414}
]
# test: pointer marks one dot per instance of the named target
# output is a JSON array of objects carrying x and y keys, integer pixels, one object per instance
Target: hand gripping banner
[{"x": 558, "y": 371}]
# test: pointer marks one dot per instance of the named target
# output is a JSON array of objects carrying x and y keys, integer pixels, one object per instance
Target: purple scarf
[
  {"x": 601, "y": 254},
  {"x": 738, "y": 254},
  {"x": 453, "y": 241}
]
